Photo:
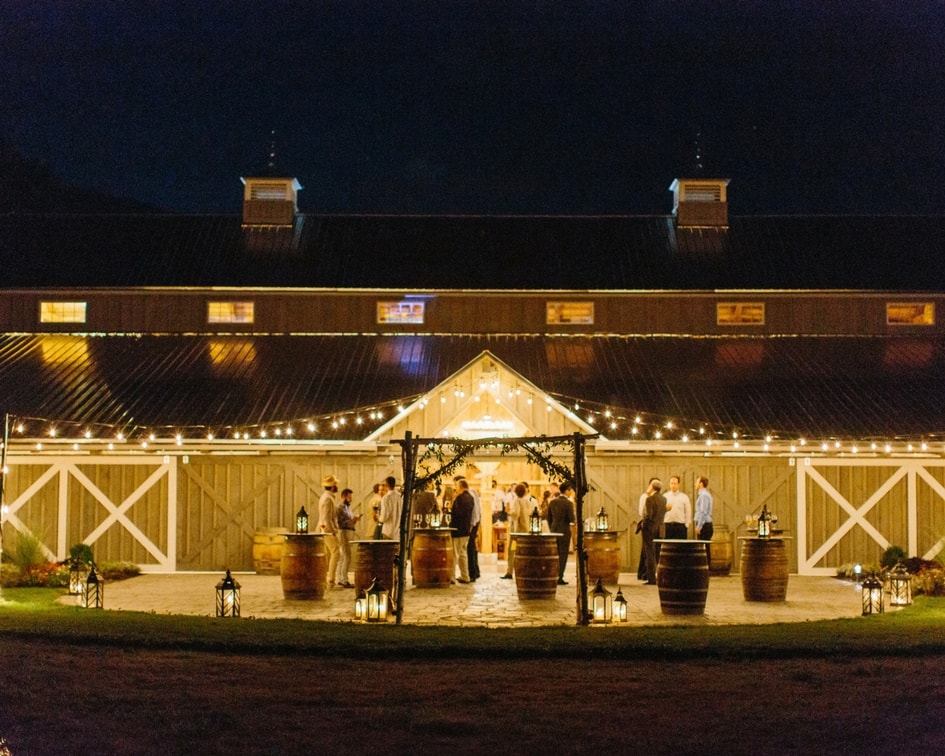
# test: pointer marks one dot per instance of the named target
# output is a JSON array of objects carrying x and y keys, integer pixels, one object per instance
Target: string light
[{"x": 618, "y": 422}]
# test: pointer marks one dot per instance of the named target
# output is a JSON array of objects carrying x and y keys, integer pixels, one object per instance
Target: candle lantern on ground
[
  {"x": 228, "y": 597},
  {"x": 764, "y": 523},
  {"x": 360, "y": 606},
  {"x": 602, "y": 522},
  {"x": 601, "y": 603},
  {"x": 93, "y": 591},
  {"x": 872, "y": 595},
  {"x": 620, "y": 606},
  {"x": 534, "y": 521},
  {"x": 900, "y": 586},
  {"x": 301, "y": 522},
  {"x": 78, "y": 572},
  {"x": 378, "y": 601}
]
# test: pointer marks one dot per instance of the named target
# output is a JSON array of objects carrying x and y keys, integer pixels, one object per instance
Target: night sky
[{"x": 484, "y": 107}]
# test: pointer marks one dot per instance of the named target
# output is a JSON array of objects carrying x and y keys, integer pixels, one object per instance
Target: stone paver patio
[{"x": 488, "y": 602}]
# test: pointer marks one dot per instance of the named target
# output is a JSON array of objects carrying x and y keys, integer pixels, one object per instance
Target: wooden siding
[
  {"x": 224, "y": 501},
  {"x": 459, "y": 312},
  {"x": 202, "y": 515}
]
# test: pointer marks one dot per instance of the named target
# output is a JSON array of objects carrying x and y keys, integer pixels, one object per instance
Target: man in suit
[
  {"x": 653, "y": 512},
  {"x": 560, "y": 518},
  {"x": 461, "y": 524}
]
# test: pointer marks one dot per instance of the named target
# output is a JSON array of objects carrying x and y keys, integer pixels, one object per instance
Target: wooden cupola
[
  {"x": 270, "y": 201},
  {"x": 700, "y": 201}
]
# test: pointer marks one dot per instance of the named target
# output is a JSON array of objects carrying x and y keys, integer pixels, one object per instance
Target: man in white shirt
[
  {"x": 391, "y": 507},
  {"x": 678, "y": 511}
]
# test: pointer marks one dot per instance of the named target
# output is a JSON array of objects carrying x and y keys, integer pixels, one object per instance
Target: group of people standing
[
  {"x": 556, "y": 510},
  {"x": 465, "y": 517},
  {"x": 670, "y": 513}
]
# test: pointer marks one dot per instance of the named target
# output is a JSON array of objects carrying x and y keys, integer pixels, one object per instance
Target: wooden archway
[{"x": 442, "y": 456}]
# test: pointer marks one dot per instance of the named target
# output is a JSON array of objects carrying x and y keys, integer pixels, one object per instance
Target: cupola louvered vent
[
  {"x": 270, "y": 201},
  {"x": 700, "y": 202}
]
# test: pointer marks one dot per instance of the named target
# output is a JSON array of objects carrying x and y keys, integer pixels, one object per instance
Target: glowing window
[
  {"x": 740, "y": 313},
  {"x": 230, "y": 312},
  {"x": 400, "y": 312},
  {"x": 62, "y": 312},
  {"x": 910, "y": 313},
  {"x": 569, "y": 313}
]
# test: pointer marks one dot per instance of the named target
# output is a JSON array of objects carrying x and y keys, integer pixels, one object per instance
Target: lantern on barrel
[
  {"x": 601, "y": 602},
  {"x": 534, "y": 521},
  {"x": 872, "y": 595},
  {"x": 228, "y": 597},
  {"x": 764, "y": 523},
  {"x": 603, "y": 522},
  {"x": 78, "y": 572},
  {"x": 377, "y": 604},
  {"x": 301, "y": 521},
  {"x": 93, "y": 591},
  {"x": 435, "y": 517},
  {"x": 620, "y": 606},
  {"x": 900, "y": 586}
]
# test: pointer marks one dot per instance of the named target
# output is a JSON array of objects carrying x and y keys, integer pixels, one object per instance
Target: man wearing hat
[{"x": 328, "y": 524}]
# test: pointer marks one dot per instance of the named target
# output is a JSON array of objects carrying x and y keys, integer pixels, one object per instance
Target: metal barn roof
[
  {"x": 792, "y": 387},
  {"x": 474, "y": 252}
]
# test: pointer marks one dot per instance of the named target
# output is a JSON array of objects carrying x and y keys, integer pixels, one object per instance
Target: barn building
[{"x": 174, "y": 384}]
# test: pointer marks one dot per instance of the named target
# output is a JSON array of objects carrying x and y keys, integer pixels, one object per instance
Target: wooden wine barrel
[
  {"x": 267, "y": 550},
  {"x": 764, "y": 569},
  {"x": 682, "y": 576},
  {"x": 304, "y": 566},
  {"x": 721, "y": 550},
  {"x": 536, "y": 565},
  {"x": 603, "y": 556},
  {"x": 432, "y": 557},
  {"x": 374, "y": 559}
]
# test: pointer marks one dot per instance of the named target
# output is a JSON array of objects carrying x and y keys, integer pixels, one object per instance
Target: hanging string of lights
[{"x": 614, "y": 423}]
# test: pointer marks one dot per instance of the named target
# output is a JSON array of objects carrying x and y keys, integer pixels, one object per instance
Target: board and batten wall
[{"x": 200, "y": 512}]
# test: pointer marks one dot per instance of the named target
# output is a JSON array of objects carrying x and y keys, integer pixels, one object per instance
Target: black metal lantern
[
  {"x": 764, "y": 523},
  {"x": 603, "y": 522},
  {"x": 435, "y": 517},
  {"x": 360, "y": 606},
  {"x": 228, "y": 597},
  {"x": 601, "y": 603},
  {"x": 620, "y": 606},
  {"x": 872, "y": 595},
  {"x": 301, "y": 521},
  {"x": 78, "y": 572},
  {"x": 900, "y": 586},
  {"x": 93, "y": 591},
  {"x": 534, "y": 521},
  {"x": 378, "y": 602}
]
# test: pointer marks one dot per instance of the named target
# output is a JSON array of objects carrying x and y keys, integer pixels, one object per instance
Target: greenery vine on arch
[{"x": 436, "y": 463}]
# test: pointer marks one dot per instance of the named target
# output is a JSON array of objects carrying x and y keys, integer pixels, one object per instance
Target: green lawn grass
[{"x": 37, "y": 613}]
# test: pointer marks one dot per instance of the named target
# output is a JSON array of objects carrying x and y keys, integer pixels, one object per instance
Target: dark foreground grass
[
  {"x": 76, "y": 681},
  {"x": 36, "y": 613}
]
